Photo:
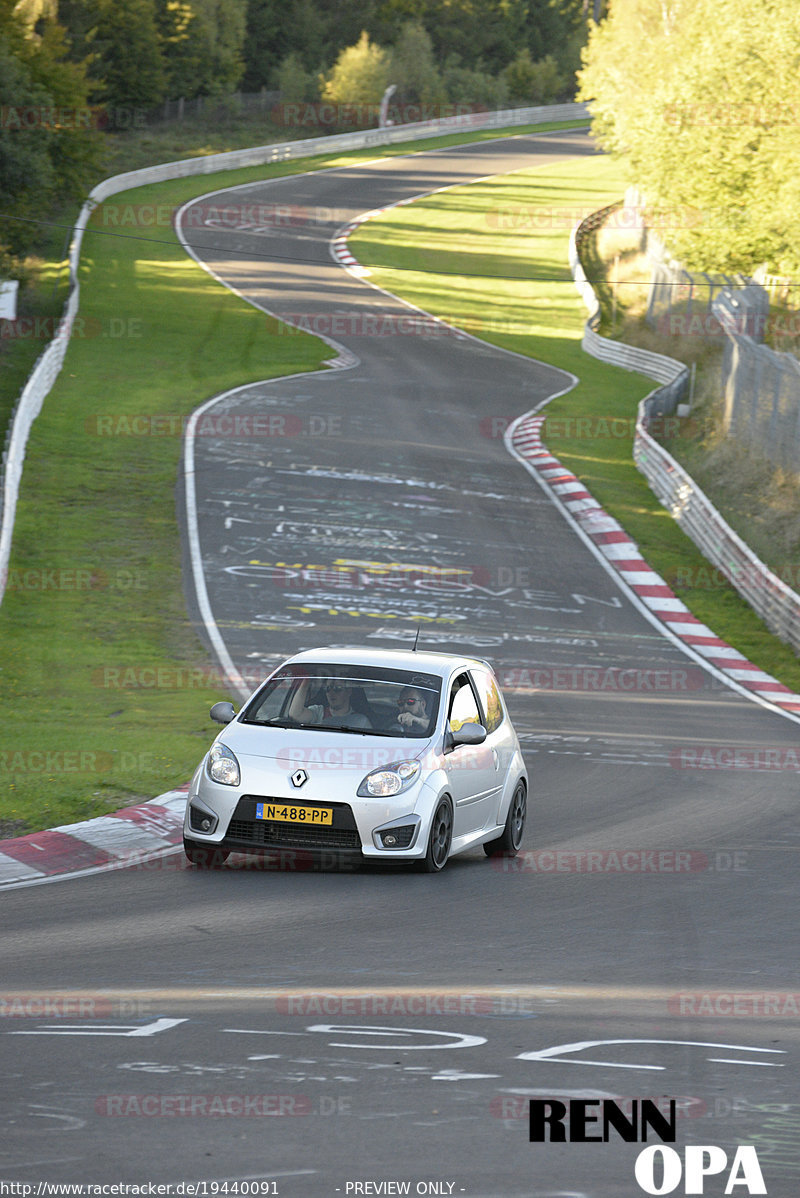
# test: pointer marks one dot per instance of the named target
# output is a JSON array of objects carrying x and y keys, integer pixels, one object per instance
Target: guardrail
[
  {"x": 769, "y": 596},
  {"x": 48, "y": 365}
]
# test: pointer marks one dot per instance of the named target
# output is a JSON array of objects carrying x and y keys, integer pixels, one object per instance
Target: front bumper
[{"x": 358, "y": 828}]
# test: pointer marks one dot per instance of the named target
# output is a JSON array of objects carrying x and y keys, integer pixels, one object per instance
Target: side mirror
[
  {"x": 222, "y": 712},
  {"x": 468, "y": 734}
]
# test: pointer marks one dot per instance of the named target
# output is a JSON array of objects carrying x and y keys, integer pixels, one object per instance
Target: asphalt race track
[{"x": 322, "y": 1029}]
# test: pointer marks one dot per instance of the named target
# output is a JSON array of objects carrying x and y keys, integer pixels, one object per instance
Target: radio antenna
[{"x": 416, "y": 638}]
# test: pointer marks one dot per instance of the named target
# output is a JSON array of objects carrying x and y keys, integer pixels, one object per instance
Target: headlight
[
  {"x": 223, "y": 766},
  {"x": 389, "y": 780}
]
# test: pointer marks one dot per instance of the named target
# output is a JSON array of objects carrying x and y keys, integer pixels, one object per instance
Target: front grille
[{"x": 263, "y": 832}]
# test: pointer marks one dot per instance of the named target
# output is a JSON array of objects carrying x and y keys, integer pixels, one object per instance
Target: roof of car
[{"x": 397, "y": 659}]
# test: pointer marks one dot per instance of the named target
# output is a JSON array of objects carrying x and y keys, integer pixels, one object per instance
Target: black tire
[
  {"x": 204, "y": 856},
  {"x": 439, "y": 839},
  {"x": 508, "y": 844}
]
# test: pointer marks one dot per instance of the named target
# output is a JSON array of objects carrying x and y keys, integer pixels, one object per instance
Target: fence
[
  {"x": 50, "y": 362},
  {"x": 674, "y": 290},
  {"x": 240, "y": 103},
  {"x": 776, "y": 603},
  {"x": 762, "y": 387}
]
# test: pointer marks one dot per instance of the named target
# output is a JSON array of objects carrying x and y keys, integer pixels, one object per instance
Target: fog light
[
  {"x": 399, "y": 836},
  {"x": 201, "y": 819}
]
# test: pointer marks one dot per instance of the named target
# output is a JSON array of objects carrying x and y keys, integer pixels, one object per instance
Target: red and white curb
[
  {"x": 340, "y": 250},
  {"x": 623, "y": 557},
  {"x": 114, "y": 841}
]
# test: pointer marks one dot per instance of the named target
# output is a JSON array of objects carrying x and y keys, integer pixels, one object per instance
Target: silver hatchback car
[{"x": 394, "y": 755}]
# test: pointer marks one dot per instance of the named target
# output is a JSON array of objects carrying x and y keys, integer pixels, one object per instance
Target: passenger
[
  {"x": 336, "y": 712},
  {"x": 413, "y": 715}
]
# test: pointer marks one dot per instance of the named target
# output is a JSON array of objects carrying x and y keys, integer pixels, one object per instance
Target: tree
[
  {"x": 185, "y": 48},
  {"x": 700, "y": 102},
  {"x": 276, "y": 30},
  {"x": 224, "y": 24},
  {"x": 360, "y": 74},
  {"x": 48, "y": 153},
  {"x": 413, "y": 68},
  {"x": 467, "y": 85},
  {"x": 294, "y": 82},
  {"x": 532, "y": 82},
  {"x": 126, "y": 61}
]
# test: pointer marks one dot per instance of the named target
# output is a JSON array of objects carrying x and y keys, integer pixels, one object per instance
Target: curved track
[{"x": 402, "y": 1073}]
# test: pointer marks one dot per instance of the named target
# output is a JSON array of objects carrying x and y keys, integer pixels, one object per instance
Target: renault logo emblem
[{"x": 299, "y": 778}]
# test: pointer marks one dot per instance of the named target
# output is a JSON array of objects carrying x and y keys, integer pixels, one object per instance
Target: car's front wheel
[
  {"x": 439, "y": 838},
  {"x": 510, "y": 840},
  {"x": 206, "y": 856}
]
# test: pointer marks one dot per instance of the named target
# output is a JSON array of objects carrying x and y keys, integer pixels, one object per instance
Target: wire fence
[{"x": 761, "y": 386}]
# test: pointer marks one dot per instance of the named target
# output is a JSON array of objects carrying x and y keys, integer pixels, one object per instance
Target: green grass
[
  {"x": 445, "y": 253},
  {"x": 95, "y": 585},
  {"x": 94, "y": 581},
  {"x": 42, "y": 294}
]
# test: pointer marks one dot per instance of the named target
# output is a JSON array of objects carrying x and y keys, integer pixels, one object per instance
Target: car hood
[{"x": 323, "y": 748}]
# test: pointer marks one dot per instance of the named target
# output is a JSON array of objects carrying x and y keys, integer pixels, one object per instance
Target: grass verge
[
  {"x": 104, "y": 685},
  {"x": 500, "y": 247}
]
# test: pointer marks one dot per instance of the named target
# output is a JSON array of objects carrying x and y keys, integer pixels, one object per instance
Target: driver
[
  {"x": 413, "y": 710},
  {"x": 336, "y": 712}
]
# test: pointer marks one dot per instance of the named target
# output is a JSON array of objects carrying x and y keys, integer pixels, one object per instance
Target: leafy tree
[
  {"x": 360, "y": 74},
  {"x": 77, "y": 18},
  {"x": 224, "y": 23},
  {"x": 532, "y": 82},
  {"x": 413, "y": 68},
  {"x": 127, "y": 62},
  {"x": 185, "y": 47},
  {"x": 467, "y": 85},
  {"x": 294, "y": 82},
  {"x": 48, "y": 153},
  {"x": 700, "y": 101},
  {"x": 274, "y": 31}
]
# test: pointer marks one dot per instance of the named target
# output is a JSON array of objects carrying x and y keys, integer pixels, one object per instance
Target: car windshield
[{"x": 363, "y": 699}]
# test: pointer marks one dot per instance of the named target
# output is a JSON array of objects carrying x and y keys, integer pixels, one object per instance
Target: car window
[
  {"x": 463, "y": 708},
  {"x": 491, "y": 702},
  {"x": 348, "y": 699}
]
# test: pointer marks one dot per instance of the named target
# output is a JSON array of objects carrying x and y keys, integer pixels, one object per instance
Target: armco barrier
[
  {"x": 49, "y": 364},
  {"x": 775, "y": 602}
]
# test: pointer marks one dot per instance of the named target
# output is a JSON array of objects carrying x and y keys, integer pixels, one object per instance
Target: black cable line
[{"x": 305, "y": 261}]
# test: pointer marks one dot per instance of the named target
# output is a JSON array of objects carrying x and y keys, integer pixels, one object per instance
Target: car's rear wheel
[
  {"x": 440, "y": 838},
  {"x": 205, "y": 856},
  {"x": 511, "y": 839}
]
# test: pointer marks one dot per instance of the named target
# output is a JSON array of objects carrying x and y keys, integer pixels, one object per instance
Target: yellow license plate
[{"x": 294, "y": 815}]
